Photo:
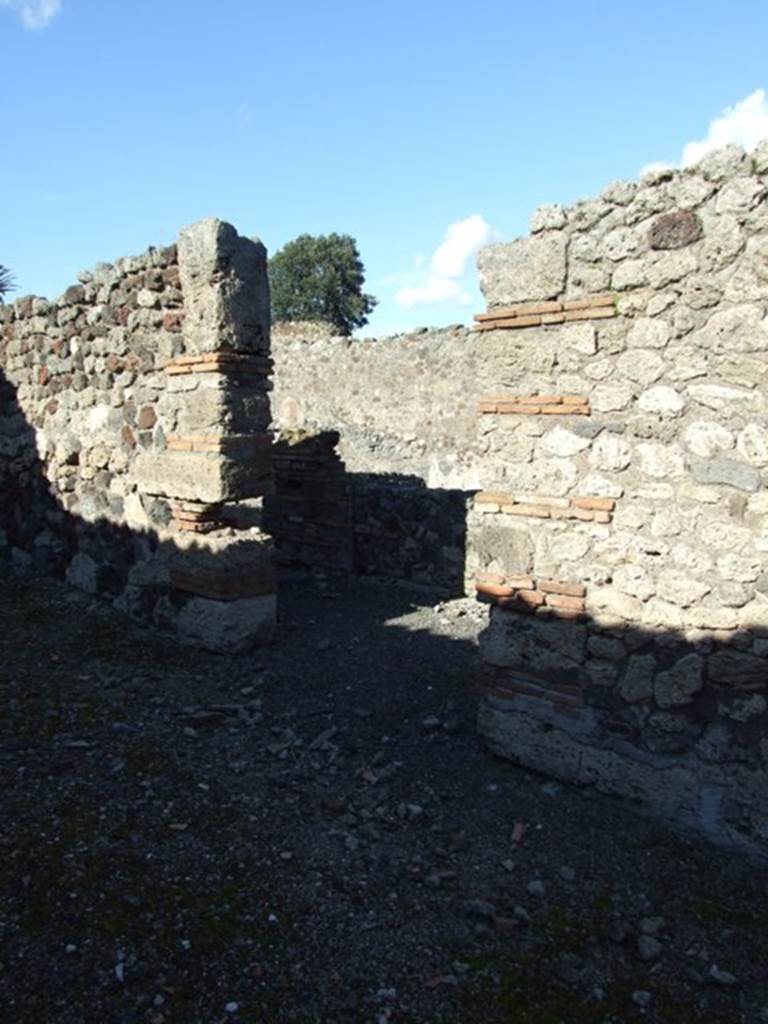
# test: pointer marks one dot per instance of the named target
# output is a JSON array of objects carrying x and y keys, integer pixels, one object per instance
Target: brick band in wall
[
  {"x": 592, "y": 510},
  {"x": 536, "y": 405},
  {"x": 505, "y": 684},
  {"x": 533, "y": 595},
  {"x": 540, "y": 314},
  {"x": 232, "y": 363},
  {"x": 195, "y": 516}
]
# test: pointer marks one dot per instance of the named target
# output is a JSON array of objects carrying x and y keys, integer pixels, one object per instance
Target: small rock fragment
[
  {"x": 518, "y": 832},
  {"x": 648, "y": 947},
  {"x": 719, "y": 977}
]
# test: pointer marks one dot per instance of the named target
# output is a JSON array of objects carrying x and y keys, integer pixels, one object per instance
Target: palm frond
[{"x": 7, "y": 283}]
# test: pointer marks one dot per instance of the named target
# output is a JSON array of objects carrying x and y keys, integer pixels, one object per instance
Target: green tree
[
  {"x": 320, "y": 277},
  {"x": 6, "y": 282}
]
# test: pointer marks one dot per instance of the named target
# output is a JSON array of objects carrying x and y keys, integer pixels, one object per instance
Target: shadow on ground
[{"x": 313, "y": 833}]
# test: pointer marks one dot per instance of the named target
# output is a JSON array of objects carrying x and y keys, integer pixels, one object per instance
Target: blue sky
[{"x": 421, "y": 128}]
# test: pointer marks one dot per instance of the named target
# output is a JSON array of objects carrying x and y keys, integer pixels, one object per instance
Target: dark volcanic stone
[
  {"x": 74, "y": 295},
  {"x": 674, "y": 230}
]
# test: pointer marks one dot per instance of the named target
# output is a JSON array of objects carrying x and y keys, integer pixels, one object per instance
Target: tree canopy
[
  {"x": 320, "y": 277},
  {"x": 6, "y": 282}
]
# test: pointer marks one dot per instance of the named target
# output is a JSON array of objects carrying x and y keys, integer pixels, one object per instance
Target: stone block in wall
[
  {"x": 196, "y": 411},
  {"x": 553, "y": 649},
  {"x": 498, "y": 545},
  {"x": 246, "y": 406},
  {"x": 225, "y": 566},
  {"x": 210, "y": 477},
  {"x": 674, "y": 230},
  {"x": 728, "y": 472},
  {"x": 724, "y": 801},
  {"x": 524, "y": 269},
  {"x": 226, "y": 289},
  {"x": 216, "y": 401}
]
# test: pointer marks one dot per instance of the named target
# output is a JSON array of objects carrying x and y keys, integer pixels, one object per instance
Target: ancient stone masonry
[
  {"x": 591, "y": 460},
  {"x": 640, "y": 664},
  {"x": 134, "y": 422},
  {"x": 621, "y": 457}
]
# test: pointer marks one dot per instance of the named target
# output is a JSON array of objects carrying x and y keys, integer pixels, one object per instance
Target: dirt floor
[{"x": 315, "y": 833}]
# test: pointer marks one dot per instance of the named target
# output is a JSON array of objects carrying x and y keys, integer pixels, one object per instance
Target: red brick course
[
  {"x": 538, "y": 314},
  {"x": 535, "y": 405},
  {"x": 586, "y": 509},
  {"x": 533, "y": 595}
]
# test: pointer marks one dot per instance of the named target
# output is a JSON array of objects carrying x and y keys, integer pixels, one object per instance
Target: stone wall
[
  {"x": 610, "y": 416},
  {"x": 403, "y": 405},
  {"x": 135, "y": 411},
  {"x": 623, "y": 544},
  {"x": 407, "y": 465},
  {"x": 605, "y": 424}
]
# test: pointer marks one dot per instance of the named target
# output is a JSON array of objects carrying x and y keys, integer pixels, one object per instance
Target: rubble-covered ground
[{"x": 315, "y": 833}]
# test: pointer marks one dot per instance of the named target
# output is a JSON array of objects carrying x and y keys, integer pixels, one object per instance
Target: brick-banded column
[{"x": 215, "y": 414}]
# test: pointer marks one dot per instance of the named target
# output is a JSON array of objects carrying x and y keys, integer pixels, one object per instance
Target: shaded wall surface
[
  {"x": 610, "y": 418},
  {"x": 390, "y": 525},
  {"x": 135, "y": 411}
]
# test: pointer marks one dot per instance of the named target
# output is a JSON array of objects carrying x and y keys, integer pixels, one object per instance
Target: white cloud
[
  {"x": 448, "y": 265},
  {"x": 34, "y": 14},
  {"x": 461, "y": 240},
  {"x": 435, "y": 289},
  {"x": 744, "y": 124}
]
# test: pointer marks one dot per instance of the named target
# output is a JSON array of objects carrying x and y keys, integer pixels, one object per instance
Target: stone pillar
[{"x": 215, "y": 414}]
